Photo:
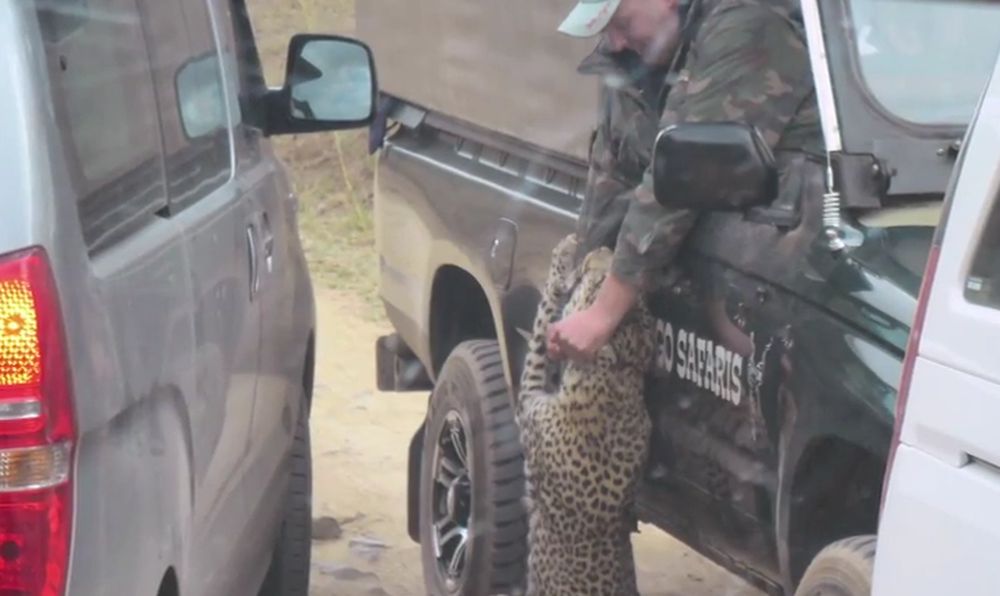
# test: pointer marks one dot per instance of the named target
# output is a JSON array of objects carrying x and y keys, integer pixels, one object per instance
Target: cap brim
[{"x": 588, "y": 19}]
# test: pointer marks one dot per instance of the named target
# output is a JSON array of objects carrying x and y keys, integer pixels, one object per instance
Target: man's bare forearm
[
  {"x": 615, "y": 298},
  {"x": 582, "y": 334}
]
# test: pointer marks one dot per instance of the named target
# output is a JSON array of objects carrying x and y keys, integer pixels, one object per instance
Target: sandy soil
[{"x": 360, "y": 438}]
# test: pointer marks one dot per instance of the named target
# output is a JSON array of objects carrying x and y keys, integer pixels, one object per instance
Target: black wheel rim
[{"x": 451, "y": 502}]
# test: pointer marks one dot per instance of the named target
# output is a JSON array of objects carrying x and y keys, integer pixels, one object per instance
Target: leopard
[{"x": 585, "y": 433}]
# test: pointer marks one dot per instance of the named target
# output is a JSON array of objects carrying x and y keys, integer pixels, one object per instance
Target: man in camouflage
[{"x": 662, "y": 64}]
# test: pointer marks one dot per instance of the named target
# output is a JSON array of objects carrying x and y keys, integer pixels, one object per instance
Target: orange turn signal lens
[{"x": 20, "y": 353}]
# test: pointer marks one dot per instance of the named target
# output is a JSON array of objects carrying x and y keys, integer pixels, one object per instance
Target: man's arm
[
  {"x": 582, "y": 334},
  {"x": 608, "y": 197},
  {"x": 608, "y": 193},
  {"x": 747, "y": 64}
]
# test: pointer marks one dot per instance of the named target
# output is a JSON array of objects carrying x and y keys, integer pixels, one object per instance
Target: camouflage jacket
[{"x": 747, "y": 61}]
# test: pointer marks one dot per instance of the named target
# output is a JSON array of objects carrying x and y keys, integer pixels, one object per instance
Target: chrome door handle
[
  {"x": 268, "y": 235},
  {"x": 254, "y": 273}
]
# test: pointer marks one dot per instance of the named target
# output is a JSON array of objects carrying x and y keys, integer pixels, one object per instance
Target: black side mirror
[
  {"x": 713, "y": 166},
  {"x": 330, "y": 84}
]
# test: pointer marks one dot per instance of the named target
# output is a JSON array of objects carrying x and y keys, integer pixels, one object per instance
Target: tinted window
[
  {"x": 61, "y": 18},
  {"x": 983, "y": 284},
  {"x": 104, "y": 102},
  {"x": 192, "y": 97},
  {"x": 927, "y": 60},
  {"x": 242, "y": 67}
]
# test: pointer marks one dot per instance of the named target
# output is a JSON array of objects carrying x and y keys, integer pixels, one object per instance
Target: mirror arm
[
  {"x": 775, "y": 216},
  {"x": 274, "y": 105},
  {"x": 262, "y": 110}
]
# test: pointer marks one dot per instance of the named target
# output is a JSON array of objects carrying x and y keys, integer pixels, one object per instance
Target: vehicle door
[
  {"x": 222, "y": 238},
  {"x": 939, "y": 531},
  {"x": 725, "y": 312},
  {"x": 284, "y": 296},
  {"x": 723, "y": 326},
  {"x": 130, "y": 299}
]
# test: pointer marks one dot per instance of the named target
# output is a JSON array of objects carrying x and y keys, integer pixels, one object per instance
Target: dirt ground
[{"x": 360, "y": 438}]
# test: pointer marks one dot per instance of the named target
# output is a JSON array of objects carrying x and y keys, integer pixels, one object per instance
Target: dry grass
[{"x": 332, "y": 172}]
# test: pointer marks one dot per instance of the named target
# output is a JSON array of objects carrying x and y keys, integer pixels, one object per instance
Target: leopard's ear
[
  {"x": 565, "y": 250},
  {"x": 598, "y": 261}
]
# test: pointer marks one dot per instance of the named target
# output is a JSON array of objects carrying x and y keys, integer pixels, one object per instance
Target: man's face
[{"x": 650, "y": 28}]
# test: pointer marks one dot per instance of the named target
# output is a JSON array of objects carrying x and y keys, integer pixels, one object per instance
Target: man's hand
[{"x": 581, "y": 335}]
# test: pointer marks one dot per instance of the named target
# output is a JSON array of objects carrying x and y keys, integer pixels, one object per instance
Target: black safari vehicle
[{"x": 780, "y": 340}]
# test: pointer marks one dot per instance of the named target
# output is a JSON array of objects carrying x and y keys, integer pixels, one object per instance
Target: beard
[{"x": 660, "y": 48}]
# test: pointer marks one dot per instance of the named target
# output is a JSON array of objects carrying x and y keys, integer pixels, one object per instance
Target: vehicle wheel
[
  {"x": 842, "y": 569},
  {"x": 472, "y": 521},
  {"x": 288, "y": 574}
]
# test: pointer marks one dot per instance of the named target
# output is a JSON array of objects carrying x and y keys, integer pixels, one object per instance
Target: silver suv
[{"x": 156, "y": 313}]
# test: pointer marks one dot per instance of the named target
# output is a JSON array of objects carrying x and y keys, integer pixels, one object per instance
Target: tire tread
[
  {"x": 847, "y": 561},
  {"x": 504, "y": 516},
  {"x": 288, "y": 574}
]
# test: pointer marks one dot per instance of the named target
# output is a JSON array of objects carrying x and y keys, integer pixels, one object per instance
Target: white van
[{"x": 940, "y": 529}]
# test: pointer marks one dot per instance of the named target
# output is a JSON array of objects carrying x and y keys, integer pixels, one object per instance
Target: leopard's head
[
  {"x": 590, "y": 276},
  {"x": 562, "y": 272}
]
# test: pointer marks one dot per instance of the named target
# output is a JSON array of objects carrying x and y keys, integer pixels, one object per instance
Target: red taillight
[
  {"x": 910, "y": 360},
  {"x": 37, "y": 431}
]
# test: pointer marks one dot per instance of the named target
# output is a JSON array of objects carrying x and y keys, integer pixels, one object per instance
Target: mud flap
[{"x": 413, "y": 484}]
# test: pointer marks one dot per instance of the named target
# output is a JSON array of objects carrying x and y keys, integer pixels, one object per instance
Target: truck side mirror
[
  {"x": 330, "y": 84},
  {"x": 724, "y": 166}
]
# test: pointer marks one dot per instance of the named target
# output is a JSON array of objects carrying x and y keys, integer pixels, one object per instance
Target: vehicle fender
[
  {"x": 444, "y": 254},
  {"x": 804, "y": 421}
]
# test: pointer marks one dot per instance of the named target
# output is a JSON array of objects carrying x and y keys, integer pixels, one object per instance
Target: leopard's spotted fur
[{"x": 585, "y": 434}]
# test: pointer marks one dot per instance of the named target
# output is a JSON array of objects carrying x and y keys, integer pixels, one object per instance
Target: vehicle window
[
  {"x": 982, "y": 286},
  {"x": 242, "y": 66},
  {"x": 240, "y": 45},
  {"x": 60, "y": 18},
  {"x": 191, "y": 92},
  {"x": 106, "y": 108},
  {"x": 926, "y": 61},
  {"x": 201, "y": 97}
]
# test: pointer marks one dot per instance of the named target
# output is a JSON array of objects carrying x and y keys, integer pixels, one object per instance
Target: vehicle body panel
[
  {"x": 432, "y": 188},
  {"x": 184, "y": 422},
  {"x": 945, "y": 469},
  {"x": 479, "y": 47}
]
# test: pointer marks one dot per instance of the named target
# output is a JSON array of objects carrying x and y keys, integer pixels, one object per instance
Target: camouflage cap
[{"x": 589, "y": 17}]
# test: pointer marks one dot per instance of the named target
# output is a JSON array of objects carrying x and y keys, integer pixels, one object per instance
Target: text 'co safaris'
[{"x": 700, "y": 361}]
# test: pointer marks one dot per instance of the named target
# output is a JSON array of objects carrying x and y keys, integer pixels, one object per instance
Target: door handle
[
  {"x": 252, "y": 252},
  {"x": 268, "y": 237},
  {"x": 501, "y": 253}
]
